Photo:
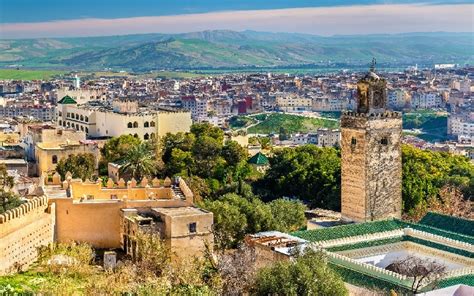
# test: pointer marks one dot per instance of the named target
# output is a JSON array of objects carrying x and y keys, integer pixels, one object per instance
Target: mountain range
[{"x": 230, "y": 49}]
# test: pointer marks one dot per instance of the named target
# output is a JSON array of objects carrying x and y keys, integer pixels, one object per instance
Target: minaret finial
[{"x": 372, "y": 65}]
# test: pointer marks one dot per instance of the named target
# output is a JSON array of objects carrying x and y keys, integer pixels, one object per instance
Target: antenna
[{"x": 372, "y": 65}]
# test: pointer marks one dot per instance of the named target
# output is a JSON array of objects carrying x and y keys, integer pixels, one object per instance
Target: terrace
[{"x": 360, "y": 253}]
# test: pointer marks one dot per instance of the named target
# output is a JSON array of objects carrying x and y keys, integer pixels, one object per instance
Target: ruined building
[{"x": 371, "y": 155}]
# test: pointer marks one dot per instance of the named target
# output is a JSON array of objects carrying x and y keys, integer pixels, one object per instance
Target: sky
[{"x": 60, "y": 18}]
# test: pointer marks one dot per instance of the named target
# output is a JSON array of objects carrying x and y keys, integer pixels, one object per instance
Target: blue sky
[
  {"x": 55, "y": 18},
  {"x": 15, "y": 11}
]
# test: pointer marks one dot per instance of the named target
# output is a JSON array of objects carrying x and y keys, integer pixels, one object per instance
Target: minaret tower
[{"x": 371, "y": 155}]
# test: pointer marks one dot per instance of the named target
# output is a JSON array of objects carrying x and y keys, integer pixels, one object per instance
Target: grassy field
[
  {"x": 28, "y": 74},
  {"x": 271, "y": 123},
  {"x": 433, "y": 125}
]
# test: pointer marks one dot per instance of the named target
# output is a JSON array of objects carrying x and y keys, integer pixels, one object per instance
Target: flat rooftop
[{"x": 180, "y": 211}]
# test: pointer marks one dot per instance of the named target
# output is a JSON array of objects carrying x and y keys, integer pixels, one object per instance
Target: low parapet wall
[{"x": 22, "y": 231}]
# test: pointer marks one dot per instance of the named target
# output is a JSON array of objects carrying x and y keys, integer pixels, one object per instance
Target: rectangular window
[{"x": 192, "y": 227}]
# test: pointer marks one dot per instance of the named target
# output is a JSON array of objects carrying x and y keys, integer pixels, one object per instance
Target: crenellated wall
[{"x": 22, "y": 231}]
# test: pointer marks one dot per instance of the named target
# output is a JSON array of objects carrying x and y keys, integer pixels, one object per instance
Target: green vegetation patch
[
  {"x": 14, "y": 74},
  {"x": 434, "y": 125},
  {"x": 292, "y": 123}
]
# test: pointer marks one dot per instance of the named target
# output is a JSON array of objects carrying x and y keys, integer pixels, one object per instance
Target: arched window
[
  {"x": 68, "y": 115},
  {"x": 87, "y": 119},
  {"x": 146, "y": 136},
  {"x": 77, "y": 116},
  {"x": 384, "y": 141},
  {"x": 129, "y": 125},
  {"x": 68, "y": 124},
  {"x": 82, "y": 118},
  {"x": 60, "y": 113},
  {"x": 54, "y": 159},
  {"x": 77, "y": 127},
  {"x": 353, "y": 141},
  {"x": 72, "y": 125},
  {"x": 60, "y": 122},
  {"x": 64, "y": 123},
  {"x": 146, "y": 124},
  {"x": 82, "y": 128},
  {"x": 152, "y": 135},
  {"x": 135, "y": 124},
  {"x": 87, "y": 130},
  {"x": 152, "y": 124},
  {"x": 135, "y": 135}
]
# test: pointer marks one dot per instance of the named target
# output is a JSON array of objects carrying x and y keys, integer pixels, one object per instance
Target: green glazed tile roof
[
  {"x": 449, "y": 223},
  {"x": 67, "y": 100},
  {"x": 341, "y": 231},
  {"x": 259, "y": 159}
]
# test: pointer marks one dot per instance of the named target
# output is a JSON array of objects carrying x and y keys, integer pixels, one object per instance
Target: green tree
[
  {"x": 284, "y": 134},
  {"x": 426, "y": 172},
  {"x": 229, "y": 223},
  {"x": 206, "y": 151},
  {"x": 288, "y": 215},
  {"x": 207, "y": 129},
  {"x": 182, "y": 141},
  {"x": 8, "y": 199},
  {"x": 306, "y": 172},
  {"x": 234, "y": 153},
  {"x": 179, "y": 162},
  {"x": 308, "y": 275},
  {"x": 116, "y": 148},
  {"x": 79, "y": 165},
  {"x": 139, "y": 161}
]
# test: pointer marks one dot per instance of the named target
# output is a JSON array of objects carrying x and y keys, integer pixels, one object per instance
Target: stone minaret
[{"x": 371, "y": 155}]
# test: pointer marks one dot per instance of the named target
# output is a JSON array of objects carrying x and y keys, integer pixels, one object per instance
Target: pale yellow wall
[
  {"x": 44, "y": 154},
  {"x": 173, "y": 122},
  {"x": 80, "y": 190},
  {"x": 98, "y": 222},
  {"x": 22, "y": 231}
]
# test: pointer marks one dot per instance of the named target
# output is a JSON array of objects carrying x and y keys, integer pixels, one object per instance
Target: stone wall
[
  {"x": 371, "y": 166},
  {"x": 22, "y": 231}
]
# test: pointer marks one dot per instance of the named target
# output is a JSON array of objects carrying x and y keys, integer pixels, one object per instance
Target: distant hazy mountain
[{"x": 229, "y": 49}]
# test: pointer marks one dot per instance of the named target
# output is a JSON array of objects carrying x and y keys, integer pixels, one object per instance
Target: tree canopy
[
  {"x": 425, "y": 172},
  {"x": 308, "y": 275},
  {"x": 306, "y": 172},
  {"x": 235, "y": 216},
  {"x": 80, "y": 165}
]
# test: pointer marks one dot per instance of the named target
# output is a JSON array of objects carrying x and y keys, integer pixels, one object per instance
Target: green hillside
[{"x": 227, "y": 49}]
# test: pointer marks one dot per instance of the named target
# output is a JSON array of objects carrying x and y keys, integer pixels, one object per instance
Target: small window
[
  {"x": 384, "y": 141},
  {"x": 146, "y": 124},
  {"x": 135, "y": 124},
  {"x": 192, "y": 227},
  {"x": 129, "y": 125},
  {"x": 54, "y": 159},
  {"x": 353, "y": 141}
]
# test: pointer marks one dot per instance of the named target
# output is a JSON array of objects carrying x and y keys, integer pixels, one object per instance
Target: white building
[
  {"x": 461, "y": 126},
  {"x": 426, "y": 100},
  {"x": 98, "y": 119}
]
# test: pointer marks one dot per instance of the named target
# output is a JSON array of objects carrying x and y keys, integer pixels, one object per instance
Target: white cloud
[{"x": 370, "y": 19}]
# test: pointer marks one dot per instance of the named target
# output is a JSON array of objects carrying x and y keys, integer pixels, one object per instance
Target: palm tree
[{"x": 139, "y": 161}]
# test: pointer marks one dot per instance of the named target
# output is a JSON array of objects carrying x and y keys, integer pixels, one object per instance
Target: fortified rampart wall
[{"x": 22, "y": 231}]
